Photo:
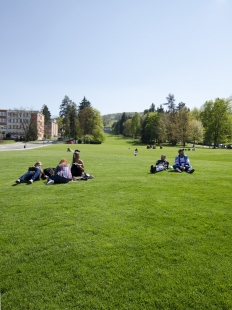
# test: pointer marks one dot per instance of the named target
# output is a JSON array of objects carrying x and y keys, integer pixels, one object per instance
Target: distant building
[
  {"x": 11, "y": 122},
  {"x": 51, "y": 128},
  {"x": 107, "y": 129}
]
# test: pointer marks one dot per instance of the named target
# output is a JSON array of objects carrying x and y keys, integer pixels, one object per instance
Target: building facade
[
  {"x": 15, "y": 123},
  {"x": 51, "y": 128}
]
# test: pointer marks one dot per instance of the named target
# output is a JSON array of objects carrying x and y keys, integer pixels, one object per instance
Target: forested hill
[{"x": 108, "y": 119}]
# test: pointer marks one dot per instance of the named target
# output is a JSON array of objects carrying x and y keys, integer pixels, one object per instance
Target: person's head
[
  {"x": 38, "y": 164},
  {"x": 76, "y": 156},
  {"x": 163, "y": 157},
  {"x": 181, "y": 152},
  {"x": 63, "y": 162}
]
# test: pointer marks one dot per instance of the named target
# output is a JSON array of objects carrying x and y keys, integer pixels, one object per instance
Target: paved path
[{"x": 19, "y": 146}]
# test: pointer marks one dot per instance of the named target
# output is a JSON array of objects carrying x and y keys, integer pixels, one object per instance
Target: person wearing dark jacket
[
  {"x": 161, "y": 164},
  {"x": 77, "y": 168}
]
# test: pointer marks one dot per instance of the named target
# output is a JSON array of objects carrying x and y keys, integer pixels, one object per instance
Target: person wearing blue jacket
[{"x": 182, "y": 163}]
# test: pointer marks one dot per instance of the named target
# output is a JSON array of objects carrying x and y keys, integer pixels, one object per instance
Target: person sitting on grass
[
  {"x": 77, "y": 169},
  {"x": 62, "y": 173},
  {"x": 161, "y": 164},
  {"x": 33, "y": 174},
  {"x": 182, "y": 163}
]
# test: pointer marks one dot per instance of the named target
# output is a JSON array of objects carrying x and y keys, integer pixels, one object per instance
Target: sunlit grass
[{"x": 126, "y": 239}]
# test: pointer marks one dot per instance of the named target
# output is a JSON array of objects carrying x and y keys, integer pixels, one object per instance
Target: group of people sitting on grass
[
  {"x": 182, "y": 163},
  {"x": 63, "y": 173}
]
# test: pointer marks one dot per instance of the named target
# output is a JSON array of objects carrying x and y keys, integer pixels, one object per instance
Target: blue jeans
[
  {"x": 58, "y": 179},
  {"x": 31, "y": 175}
]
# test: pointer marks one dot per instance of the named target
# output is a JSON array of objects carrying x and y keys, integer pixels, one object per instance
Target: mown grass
[{"x": 126, "y": 239}]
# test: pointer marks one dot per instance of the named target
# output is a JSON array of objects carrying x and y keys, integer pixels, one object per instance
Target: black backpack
[{"x": 49, "y": 171}]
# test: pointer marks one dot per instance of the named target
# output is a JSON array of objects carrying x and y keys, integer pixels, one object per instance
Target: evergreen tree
[
  {"x": 47, "y": 115},
  {"x": 64, "y": 106},
  {"x": 84, "y": 104},
  {"x": 152, "y": 108},
  {"x": 122, "y": 120},
  {"x": 171, "y": 103}
]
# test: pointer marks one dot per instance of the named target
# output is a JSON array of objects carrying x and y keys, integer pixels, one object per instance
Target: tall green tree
[
  {"x": 196, "y": 131},
  {"x": 91, "y": 125},
  {"x": 84, "y": 104},
  {"x": 183, "y": 120},
  {"x": 136, "y": 125},
  {"x": 195, "y": 114},
  {"x": 124, "y": 117},
  {"x": 216, "y": 119},
  {"x": 127, "y": 128},
  {"x": 47, "y": 115},
  {"x": 151, "y": 126},
  {"x": 171, "y": 103},
  {"x": 161, "y": 130},
  {"x": 64, "y": 106}
]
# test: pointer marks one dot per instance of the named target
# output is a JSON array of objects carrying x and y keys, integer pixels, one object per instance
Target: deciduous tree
[{"x": 216, "y": 119}]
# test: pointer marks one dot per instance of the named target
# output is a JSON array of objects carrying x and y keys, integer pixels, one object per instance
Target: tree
[
  {"x": 115, "y": 128},
  {"x": 127, "y": 125},
  {"x": 32, "y": 132},
  {"x": 195, "y": 114},
  {"x": 151, "y": 126},
  {"x": 216, "y": 120},
  {"x": 171, "y": 103},
  {"x": 196, "y": 131},
  {"x": 91, "y": 124},
  {"x": 121, "y": 122},
  {"x": 171, "y": 125},
  {"x": 152, "y": 108},
  {"x": 183, "y": 129},
  {"x": 84, "y": 104},
  {"x": 136, "y": 125},
  {"x": 46, "y": 113},
  {"x": 64, "y": 106},
  {"x": 68, "y": 112},
  {"x": 161, "y": 130}
]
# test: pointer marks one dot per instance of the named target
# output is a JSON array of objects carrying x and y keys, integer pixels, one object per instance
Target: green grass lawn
[{"x": 126, "y": 239}]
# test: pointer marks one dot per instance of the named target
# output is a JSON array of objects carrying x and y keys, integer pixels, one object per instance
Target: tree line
[
  {"x": 80, "y": 122},
  {"x": 211, "y": 124}
]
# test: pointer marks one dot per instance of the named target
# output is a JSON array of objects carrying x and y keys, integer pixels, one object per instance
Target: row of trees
[
  {"x": 212, "y": 123},
  {"x": 81, "y": 122}
]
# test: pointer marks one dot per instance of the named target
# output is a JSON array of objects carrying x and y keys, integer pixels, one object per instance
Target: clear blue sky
[{"x": 122, "y": 55}]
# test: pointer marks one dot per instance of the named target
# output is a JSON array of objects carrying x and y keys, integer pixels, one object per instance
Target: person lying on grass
[
  {"x": 34, "y": 173},
  {"x": 182, "y": 163},
  {"x": 62, "y": 173},
  {"x": 160, "y": 165}
]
